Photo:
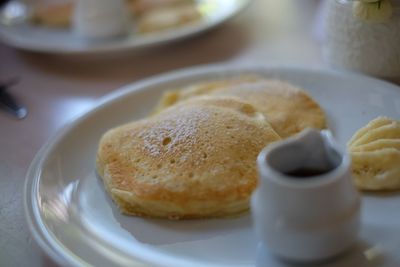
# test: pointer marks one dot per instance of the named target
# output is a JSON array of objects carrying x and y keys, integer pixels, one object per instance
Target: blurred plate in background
[{"x": 17, "y": 30}]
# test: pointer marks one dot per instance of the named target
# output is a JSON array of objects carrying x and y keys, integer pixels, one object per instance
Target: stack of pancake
[{"x": 195, "y": 156}]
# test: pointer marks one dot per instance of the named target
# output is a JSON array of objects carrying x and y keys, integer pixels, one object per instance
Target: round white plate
[
  {"x": 17, "y": 31},
  {"x": 73, "y": 219}
]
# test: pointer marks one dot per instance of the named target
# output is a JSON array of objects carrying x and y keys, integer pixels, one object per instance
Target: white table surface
[{"x": 56, "y": 89}]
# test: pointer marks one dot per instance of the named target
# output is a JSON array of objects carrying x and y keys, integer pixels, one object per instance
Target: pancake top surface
[
  {"x": 202, "y": 148},
  {"x": 289, "y": 109}
]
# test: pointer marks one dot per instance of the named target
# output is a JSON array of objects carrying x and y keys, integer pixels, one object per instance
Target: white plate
[
  {"x": 18, "y": 32},
  {"x": 75, "y": 222}
]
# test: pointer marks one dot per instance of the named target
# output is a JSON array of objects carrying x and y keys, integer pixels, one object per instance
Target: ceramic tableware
[{"x": 305, "y": 207}]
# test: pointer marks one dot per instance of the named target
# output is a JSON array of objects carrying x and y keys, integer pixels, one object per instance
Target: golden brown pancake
[
  {"x": 172, "y": 97},
  {"x": 195, "y": 159},
  {"x": 375, "y": 152},
  {"x": 289, "y": 109}
]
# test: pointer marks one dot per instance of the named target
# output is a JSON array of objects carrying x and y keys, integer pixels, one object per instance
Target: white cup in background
[{"x": 100, "y": 18}]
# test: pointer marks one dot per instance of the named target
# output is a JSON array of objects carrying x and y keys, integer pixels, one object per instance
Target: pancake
[
  {"x": 375, "y": 152},
  {"x": 196, "y": 159},
  {"x": 288, "y": 109},
  {"x": 172, "y": 97}
]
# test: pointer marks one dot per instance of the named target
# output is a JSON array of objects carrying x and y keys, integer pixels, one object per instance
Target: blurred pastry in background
[
  {"x": 148, "y": 15},
  {"x": 375, "y": 152},
  {"x": 53, "y": 15},
  {"x": 169, "y": 17},
  {"x": 140, "y": 7}
]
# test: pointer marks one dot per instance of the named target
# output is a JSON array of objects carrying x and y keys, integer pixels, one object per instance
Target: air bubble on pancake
[
  {"x": 247, "y": 109},
  {"x": 179, "y": 130},
  {"x": 166, "y": 141}
]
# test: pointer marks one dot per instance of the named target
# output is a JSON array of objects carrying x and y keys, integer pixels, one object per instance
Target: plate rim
[
  {"x": 32, "y": 178},
  {"x": 159, "y": 39}
]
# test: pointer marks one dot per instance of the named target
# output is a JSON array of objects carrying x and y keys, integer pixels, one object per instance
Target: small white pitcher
[
  {"x": 100, "y": 18},
  {"x": 305, "y": 207}
]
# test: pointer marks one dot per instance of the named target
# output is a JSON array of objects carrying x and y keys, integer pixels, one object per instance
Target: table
[{"x": 58, "y": 89}]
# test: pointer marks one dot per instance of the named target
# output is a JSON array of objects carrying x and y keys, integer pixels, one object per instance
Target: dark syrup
[{"x": 305, "y": 172}]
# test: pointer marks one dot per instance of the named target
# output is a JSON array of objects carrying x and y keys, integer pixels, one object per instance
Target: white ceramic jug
[
  {"x": 305, "y": 207},
  {"x": 100, "y": 18}
]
